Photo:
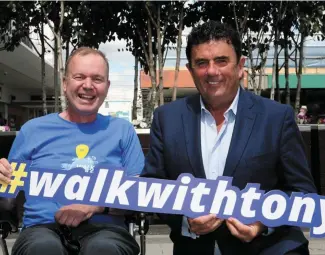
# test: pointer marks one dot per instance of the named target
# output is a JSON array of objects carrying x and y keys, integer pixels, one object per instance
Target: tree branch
[
  {"x": 61, "y": 20},
  {"x": 150, "y": 16},
  {"x": 243, "y": 23},
  {"x": 48, "y": 44},
  {"x": 165, "y": 27},
  {"x": 61, "y": 16},
  {"x": 165, "y": 56},
  {"x": 38, "y": 53},
  {"x": 49, "y": 24},
  {"x": 289, "y": 58},
  {"x": 45, "y": 37},
  {"x": 171, "y": 11},
  {"x": 235, "y": 14},
  {"x": 259, "y": 35},
  {"x": 143, "y": 45}
]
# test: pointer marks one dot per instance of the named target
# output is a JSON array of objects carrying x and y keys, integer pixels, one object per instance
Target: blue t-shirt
[{"x": 54, "y": 143}]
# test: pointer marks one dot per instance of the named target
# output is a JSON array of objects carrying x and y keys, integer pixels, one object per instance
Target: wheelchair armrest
[
  {"x": 141, "y": 221},
  {"x": 5, "y": 229},
  {"x": 8, "y": 216}
]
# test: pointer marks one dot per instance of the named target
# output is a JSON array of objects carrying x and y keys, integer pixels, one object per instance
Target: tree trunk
[
  {"x": 149, "y": 101},
  {"x": 262, "y": 71},
  {"x": 60, "y": 57},
  {"x": 41, "y": 34},
  {"x": 178, "y": 52},
  {"x": 160, "y": 59},
  {"x": 67, "y": 50},
  {"x": 43, "y": 86},
  {"x": 44, "y": 105},
  {"x": 135, "y": 94},
  {"x": 277, "y": 84},
  {"x": 274, "y": 69},
  {"x": 153, "y": 103},
  {"x": 56, "y": 76},
  {"x": 61, "y": 74},
  {"x": 56, "y": 30},
  {"x": 286, "y": 69},
  {"x": 252, "y": 75},
  {"x": 301, "y": 56}
]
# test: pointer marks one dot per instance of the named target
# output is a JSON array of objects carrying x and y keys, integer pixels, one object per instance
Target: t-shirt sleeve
[
  {"x": 132, "y": 158},
  {"x": 19, "y": 149}
]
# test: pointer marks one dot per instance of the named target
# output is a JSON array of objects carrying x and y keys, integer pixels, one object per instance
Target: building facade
[{"x": 20, "y": 84}]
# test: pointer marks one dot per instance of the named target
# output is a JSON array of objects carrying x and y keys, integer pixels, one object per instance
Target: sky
[{"x": 121, "y": 73}]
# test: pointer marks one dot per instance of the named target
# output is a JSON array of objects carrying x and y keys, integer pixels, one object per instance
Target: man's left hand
[
  {"x": 245, "y": 233},
  {"x": 73, "y": 215}
]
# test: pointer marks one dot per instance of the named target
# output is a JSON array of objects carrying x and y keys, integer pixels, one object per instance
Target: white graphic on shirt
[{"x": 82, "y": 160}]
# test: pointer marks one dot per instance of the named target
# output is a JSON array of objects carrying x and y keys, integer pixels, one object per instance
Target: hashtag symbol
[{"x": 16, "y": 180}]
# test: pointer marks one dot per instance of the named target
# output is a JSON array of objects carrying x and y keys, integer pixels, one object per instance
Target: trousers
[{"x": 92, "y": 239}]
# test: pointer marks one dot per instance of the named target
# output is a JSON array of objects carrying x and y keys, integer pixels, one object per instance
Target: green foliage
[{"x": 14, "y": 23}]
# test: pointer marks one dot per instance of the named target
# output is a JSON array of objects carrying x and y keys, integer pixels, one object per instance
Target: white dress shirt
[{"x": 215, "y": 147}]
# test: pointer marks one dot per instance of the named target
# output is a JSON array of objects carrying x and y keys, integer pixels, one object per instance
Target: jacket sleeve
[
  {"x": 155, "y": 165},
  {"x": 295, "y": 175}
]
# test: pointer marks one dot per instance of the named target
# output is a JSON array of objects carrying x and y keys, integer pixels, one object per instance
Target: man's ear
[
  {"x": 64, "y": 84},
  {"x": 240, "y": 66},
  {"x": 189, "y": 68}
]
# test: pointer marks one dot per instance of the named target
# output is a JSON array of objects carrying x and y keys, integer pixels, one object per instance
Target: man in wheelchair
[{"x": 77, "y": 137}]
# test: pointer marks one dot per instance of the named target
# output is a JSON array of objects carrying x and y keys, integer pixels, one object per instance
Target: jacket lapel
[
  {"x": 192, "y": 130},
  {"x": 245, "y": 119}
]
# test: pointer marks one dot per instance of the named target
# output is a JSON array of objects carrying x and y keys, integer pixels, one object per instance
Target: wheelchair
[{"x": 138, "y": 224}]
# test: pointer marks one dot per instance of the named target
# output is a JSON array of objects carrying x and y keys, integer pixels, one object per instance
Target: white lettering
[
  {"x": 198, "y": 192},
  {"x": 46, "y": 182},
  {"x": 70, "y": 185},
  {"x": 154, "y": 193},
  {"x": 280, "y": 209},
  {"x": 221, "y": 194},
  {"x": 181, "y": 193},
  {"x": 297, "y": 205},
  {"x": 320, "y": 230},
  {"x": 248, "y": 198},
  {"x": 118, "y": 191},
  {"x": 98, "y": 188}
]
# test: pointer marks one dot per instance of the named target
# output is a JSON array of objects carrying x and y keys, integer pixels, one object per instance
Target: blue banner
[{"x": 109, "y": 186}]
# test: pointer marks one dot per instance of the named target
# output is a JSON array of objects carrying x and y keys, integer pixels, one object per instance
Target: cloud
[{"x": 120, "y": 61}]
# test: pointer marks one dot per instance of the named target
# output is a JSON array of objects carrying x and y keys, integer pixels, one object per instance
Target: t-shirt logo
[
  {"x": 82, "y": 151},
  {"x": 82, "y": 160}
]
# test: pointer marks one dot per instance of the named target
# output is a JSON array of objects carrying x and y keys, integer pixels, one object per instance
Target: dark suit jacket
[{"x": 266, "y": 148}]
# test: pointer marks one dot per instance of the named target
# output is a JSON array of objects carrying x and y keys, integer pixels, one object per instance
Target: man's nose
[
  {"x": 213, "y": 69},
  {"x": 88, "y": 84}
]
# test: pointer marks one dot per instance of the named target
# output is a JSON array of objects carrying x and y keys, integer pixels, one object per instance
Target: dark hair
[{"x": 213, "y": 30}]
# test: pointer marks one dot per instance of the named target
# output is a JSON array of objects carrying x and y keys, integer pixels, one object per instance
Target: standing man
[
  {"x": 227, "y": 131},
  {"x": 77, "y": 137}
]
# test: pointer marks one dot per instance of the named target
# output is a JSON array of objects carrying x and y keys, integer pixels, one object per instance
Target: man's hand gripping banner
[{"x": 189, "y": 196}]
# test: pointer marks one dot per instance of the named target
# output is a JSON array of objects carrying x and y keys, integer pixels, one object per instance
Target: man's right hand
[
  {"x": 204, "y": 224},
  {"x": 5, "y": 171}
]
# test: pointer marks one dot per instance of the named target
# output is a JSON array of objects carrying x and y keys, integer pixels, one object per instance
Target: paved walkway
[{"x": 158, "y": 242}]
